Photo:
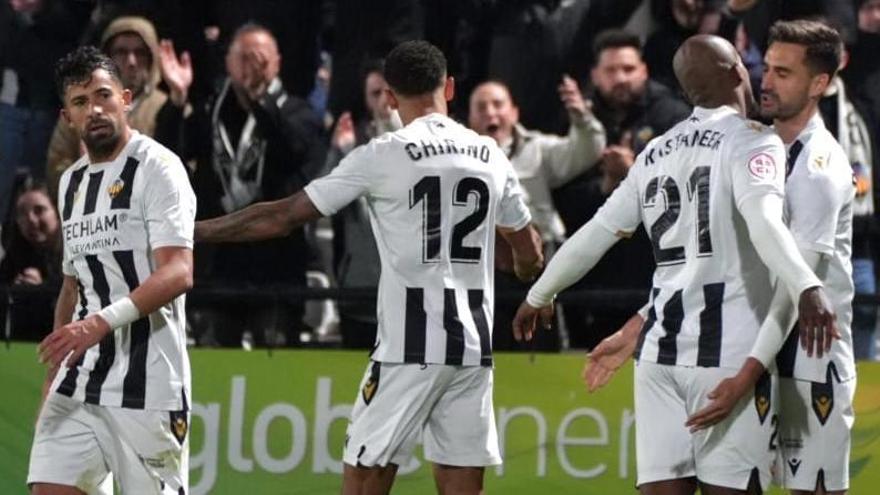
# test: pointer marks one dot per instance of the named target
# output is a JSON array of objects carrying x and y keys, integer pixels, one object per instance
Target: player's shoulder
[
  {"x": 80, "y": 164},
  {"x": 826, "y": 157},
  {"x": 152, "y": 154}
]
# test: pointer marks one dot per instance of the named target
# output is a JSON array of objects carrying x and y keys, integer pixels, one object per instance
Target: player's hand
[
  {"x": 73, "y": 339},
  {"x": 571, "y": 97},
  {"x": 343, "y": 136},
  {"x": 176, "y": 72},
  {"x": 722, "y": 401},
  {"x": 817, "y": 322},
  {"x": 606, "y": 358},
  {"x": 527, "y": 318}
]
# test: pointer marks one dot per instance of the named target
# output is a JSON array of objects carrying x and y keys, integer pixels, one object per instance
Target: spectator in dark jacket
[
  {"x": 254, "y": 142},
  {"x": 633, "y": 109}
]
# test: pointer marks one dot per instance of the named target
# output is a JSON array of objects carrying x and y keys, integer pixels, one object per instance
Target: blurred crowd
[{"x": 260, "y": 97}]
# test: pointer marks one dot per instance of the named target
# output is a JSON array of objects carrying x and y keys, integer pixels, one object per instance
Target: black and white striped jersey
[
  {"x": 113, "y": 215},
  {"x": 435, "y": 191},
  {"x": 711, "y": 291},
  {"x": 819, "y": 196}
]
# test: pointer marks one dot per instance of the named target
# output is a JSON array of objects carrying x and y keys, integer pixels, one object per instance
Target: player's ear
[
  {"x": 449, "y": 88},
  {"x": 819, "y": 84},
  {"x": 126, "y": 99},
  {"x": 392, "y": 100},
  {"x": 64, "y": 116}
]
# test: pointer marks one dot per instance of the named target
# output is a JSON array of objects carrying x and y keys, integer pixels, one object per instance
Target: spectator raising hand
[
  {"x": 176, "y": 72},
  {"x": 571, "y": 97}
]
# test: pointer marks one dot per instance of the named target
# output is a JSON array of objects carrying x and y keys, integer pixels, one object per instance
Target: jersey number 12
[{"x": 427, "y": 192}]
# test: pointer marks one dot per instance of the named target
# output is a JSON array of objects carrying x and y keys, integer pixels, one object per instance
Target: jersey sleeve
[
  {"x": 621, "y": 214},
  {"x": 169, "y": 204},
  {"x": 813, "y": 211},
  {"x": 66, "y": 263},
  {"x": 757, "y": 165},
  {"x": 512, "y": 210},
  {"x": 345, "y": 183}
]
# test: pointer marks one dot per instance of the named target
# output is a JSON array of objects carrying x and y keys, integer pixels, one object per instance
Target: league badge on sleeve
[{"x": 762, "y": 166}]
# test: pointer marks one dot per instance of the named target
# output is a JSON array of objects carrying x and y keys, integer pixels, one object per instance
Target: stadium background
[{"x": 273, "y": 423}]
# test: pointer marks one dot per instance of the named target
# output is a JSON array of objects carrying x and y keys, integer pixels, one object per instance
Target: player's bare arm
[
  {"x": 64, "y": 308},
  {"x": 526, "y": 246},
  {"x": 173, "y": 277},
  {"x": 260, "y": 221}
]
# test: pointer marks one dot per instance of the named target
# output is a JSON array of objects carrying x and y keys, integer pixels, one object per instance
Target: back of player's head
[
  {"x": 76, "y": 68},
  {"x": 615, "y": 38},
  {"x": 822, "y": 42},
  {"x": 415, "y": 68}
]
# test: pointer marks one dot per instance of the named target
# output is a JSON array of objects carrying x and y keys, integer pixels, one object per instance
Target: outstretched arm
[{"x": 259, "y": 221}]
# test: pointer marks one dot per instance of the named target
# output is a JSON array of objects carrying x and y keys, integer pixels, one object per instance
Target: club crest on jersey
[
  {"x": 794, "y": 464},
  {"x": 819, "y": 162},
  {"x": 372, "y": 385},
  {"x": 762, "y": 166},
  {"x": 116, "y": 187},
  {"x": 179, "y": 425},
  {"x": 762, "y": 396}
]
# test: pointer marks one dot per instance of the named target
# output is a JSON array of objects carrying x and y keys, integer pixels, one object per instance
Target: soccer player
[
  {"x": 117, "y": 395},
  {"x": 816, "y": 392},
  {"x": 436, "y": 193},
  {"x": 710, "y": 193}
]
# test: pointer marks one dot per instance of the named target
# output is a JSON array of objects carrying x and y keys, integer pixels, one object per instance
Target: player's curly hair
[
  {"x": 823, "y": 43},
  {"x": 415, "y": 68},
  {"x": 76, "y": 68}
]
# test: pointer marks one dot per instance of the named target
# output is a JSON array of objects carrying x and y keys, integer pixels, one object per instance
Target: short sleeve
[
  {"x": 512, "y": 210},
  {"x": 169, "y": 204},
  {"x": 621, "y": 214},
  {"x": 350, "y": 180},
  {"x": 757, "y": 165},
  {"x": 66, "y": 264},
  {"x": 813, "y": 210}
]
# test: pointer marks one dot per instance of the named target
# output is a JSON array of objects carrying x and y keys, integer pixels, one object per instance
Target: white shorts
[
  {"x": 815, "y": 420},
  {"x": 78, "y": 444},
  {"x": 728, "y": 454},
  {"x": 448, "y": 407}
]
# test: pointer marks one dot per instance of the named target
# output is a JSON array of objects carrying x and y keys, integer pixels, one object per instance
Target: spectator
[
  {"x": 853, "y": 123},
  {"x": 255, "y": 142},
  {"x": 862, "y": 75},
  {"x": 356, "y": 258},
  {"x": 679, "y": 19},
  {"x": 542, "y": 162},
  {"x": 33, "y": 34},
  {"x": 32, "y": 241},
  {"x": 633, "y": 109},
  {"x": 133, "y": 45}
]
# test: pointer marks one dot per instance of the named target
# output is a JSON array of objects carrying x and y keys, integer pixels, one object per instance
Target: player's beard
[{"x": 101, "y": 144}]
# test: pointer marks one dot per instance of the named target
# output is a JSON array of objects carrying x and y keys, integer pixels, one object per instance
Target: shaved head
[{"x": 710, "y": 71}]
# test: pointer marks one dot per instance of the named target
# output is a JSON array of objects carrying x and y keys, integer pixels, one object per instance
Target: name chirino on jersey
[
  {"x": 429, "y": 148},
  {"x": 704, "y": 138}
]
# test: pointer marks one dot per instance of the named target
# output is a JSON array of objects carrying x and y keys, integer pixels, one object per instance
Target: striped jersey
[
  {"x": 819, "y": 194},
  {"x": 710, "y": 291},
  {"x": 114, "y": 214},
  {"x": 435, "y": 192}
]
